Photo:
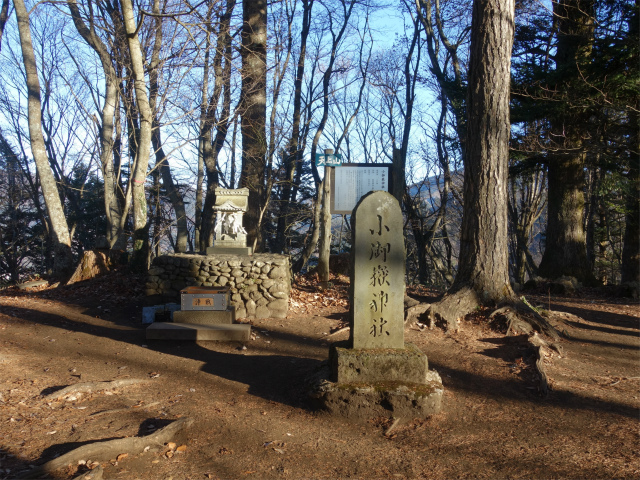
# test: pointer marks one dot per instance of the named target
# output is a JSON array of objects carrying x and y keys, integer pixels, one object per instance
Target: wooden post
[{"x": 324, "y": 246}]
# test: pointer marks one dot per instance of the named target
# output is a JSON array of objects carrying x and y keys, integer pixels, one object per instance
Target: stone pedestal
[
  {"x": 184, "y": 331},
  {"x": 206, "y": 317},
  {"x": 350, "y": 365}
]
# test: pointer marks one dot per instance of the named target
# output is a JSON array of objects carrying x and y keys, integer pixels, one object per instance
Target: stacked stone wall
[{"x": 259, "y": 284}]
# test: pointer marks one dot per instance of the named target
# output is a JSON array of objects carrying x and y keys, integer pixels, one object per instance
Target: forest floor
[{"x": 252, "y": 418}]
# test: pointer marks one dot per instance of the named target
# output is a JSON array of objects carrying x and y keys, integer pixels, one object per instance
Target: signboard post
[{"x": 329, "y": 160}]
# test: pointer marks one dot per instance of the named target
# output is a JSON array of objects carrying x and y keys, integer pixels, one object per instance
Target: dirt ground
[{"x": 252, "y": 418}]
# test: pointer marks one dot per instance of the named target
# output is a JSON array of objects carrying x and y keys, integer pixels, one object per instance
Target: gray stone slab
[
  {"x": 229, "y": 251},
  {"x": 377, "y": 277},
  {"x": 183, "y": 331},
  {"x": 407, "y": 365},
  {"x": 206, "y": 317},
  {"x": 387, "y": 399}
]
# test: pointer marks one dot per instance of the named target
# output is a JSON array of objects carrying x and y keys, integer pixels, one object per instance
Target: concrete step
[
  {"x": 206, "y": 317},
  {"x": 184, "y": 331}
]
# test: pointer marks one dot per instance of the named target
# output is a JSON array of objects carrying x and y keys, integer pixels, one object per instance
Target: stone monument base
[
  {"x": 364, "y": 383},
  {"x": 229, "y": 250},
  {"x": 349, "y": 365},
  {"x": 361, "y": 401}
]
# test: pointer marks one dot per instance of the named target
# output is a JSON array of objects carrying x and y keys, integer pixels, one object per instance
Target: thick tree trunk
[
  {"x": 483, "y": 270},
  {"x": 566, "y": 248},
  {"x": 566, "y": 245},
  {"x": 254, "y": 112},
  {"x": 59, "y": 233}
]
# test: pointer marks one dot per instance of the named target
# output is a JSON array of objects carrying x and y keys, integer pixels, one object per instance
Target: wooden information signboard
[{"x": 351, "y": 181}]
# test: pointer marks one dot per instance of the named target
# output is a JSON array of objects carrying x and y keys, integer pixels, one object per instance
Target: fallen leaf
[
  {"x": 171, "y": 445},
  {"x": 181, "y": 449},
  {"x": 121, "y": 457}
]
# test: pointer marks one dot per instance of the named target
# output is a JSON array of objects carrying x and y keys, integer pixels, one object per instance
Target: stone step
[
  {"x": 206, "y": 317},
  {"x": 184, "y": 331}
]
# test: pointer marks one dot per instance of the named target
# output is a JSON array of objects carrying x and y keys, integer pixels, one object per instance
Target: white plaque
[{"x": 352, "y": 182}]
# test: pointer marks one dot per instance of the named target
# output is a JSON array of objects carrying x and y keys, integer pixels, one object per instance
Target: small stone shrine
[
  {"x": 230, "y": 235},
  {"x": 375, "y": 373}
]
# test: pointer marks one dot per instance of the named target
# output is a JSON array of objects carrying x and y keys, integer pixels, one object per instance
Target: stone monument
[
  {"x": 375, "y": 372},
  {"x": 230, "y": 237}
]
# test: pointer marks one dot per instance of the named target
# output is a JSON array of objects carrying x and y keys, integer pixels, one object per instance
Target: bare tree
[
  {"x": 59, "y": 232},
  {"x": 141, "y": 163},
  {"x": 162, "y": 160},
  {"x": 527, "y": 201},
  {"x": 214, "y": 117},
  {"x": 112, "y": 198}
]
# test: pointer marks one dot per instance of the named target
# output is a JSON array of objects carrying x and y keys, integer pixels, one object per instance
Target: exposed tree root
[
  {"x": 340, "y": 330},
  {"x": 537, "y": 321},
  {"x": 453, "y": 307},
  {"x": 105, "y": 451},
  {"x": 412, "y": 314},
  {"x": 519, "y": 314},
  {"x": 92, "y": 387},
  {"x": 127, "y": 409},
  {"x": 520, "y": 317},
  {"x": 95, "y": 474},
  {"x": 541, "y": 347}
]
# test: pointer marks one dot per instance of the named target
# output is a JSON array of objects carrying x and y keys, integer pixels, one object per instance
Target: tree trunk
[
  {"x": 631, "y": 246},
  {"x": 59, "y": 233},
  {"x": 566, "y": 248},
  {"x": 631, "y": 249},
  {"x": 112, "y": 203},
  {"x": 4, "y": 15},
  {"x": 483, "y": 270},
  {"x": 162, "y": 162},
  {"x": 211, "y": 147},
  {"x": 294, "y": 152},
  {"x": 139, "y": 174},
  {"x": 254, "y": 112}
]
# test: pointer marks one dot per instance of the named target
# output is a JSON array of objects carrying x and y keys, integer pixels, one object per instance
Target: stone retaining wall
[{"x": 259, "y": 284}]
